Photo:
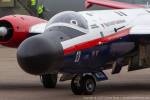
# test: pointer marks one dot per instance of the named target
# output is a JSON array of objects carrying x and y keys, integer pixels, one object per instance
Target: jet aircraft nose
[{"x": 39, "y": 54}]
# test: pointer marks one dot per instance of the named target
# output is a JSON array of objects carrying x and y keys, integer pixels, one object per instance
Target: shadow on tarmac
[{"x": 101, "y": 88}]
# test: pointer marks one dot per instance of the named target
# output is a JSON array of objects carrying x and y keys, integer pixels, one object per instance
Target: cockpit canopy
[
  {"x": 69, "y": 17},
  {"x": 70, "y": 23}
]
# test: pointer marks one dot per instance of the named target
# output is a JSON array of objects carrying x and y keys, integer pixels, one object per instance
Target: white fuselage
[
  {"x": 101, "y": 23},
  {"x": 106, "y": 21}
]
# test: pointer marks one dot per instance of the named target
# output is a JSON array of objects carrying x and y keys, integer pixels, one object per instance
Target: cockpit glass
[
  {"x": 70, "y": 32},
  {"x": 70, "y": 17}
]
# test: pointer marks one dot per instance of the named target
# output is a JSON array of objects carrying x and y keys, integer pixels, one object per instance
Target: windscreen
[
  {"x": 70, "y": 17},
  {"x": 70, "y": 23}
]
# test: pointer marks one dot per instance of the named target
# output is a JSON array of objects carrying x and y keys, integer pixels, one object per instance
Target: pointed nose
[{"x": 39, "y": 54}]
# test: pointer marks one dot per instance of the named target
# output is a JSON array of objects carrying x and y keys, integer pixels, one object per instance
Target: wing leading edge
[
  {"x": 140, "y": 30},
  {"x": 111, "y": 4}
]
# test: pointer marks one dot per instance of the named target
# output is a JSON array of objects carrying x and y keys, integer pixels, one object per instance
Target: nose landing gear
[{"x": 49, "y": 80}]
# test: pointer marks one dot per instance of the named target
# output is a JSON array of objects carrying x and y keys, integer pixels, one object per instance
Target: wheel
[
  {"x": 49, "y": 80},
  {"x": 77, "y": 85},
  {"x": 89, "y": 85},
  {"x": 83, "y": 85}
]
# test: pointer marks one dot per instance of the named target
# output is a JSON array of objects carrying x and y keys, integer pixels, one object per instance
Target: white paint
[
  {"x": 106, "y": 20},
  {"x": 135, "y": 17},
  {"x": 140, "y": 29},
  {"x": 38, "y": 28}
]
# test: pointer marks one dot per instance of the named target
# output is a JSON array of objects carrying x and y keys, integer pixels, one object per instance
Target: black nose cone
[{"x": 38, "y": 55}]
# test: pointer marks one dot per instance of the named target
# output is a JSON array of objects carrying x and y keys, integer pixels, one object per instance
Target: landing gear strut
[
  {"x": 49, "y": 80},
  {"x": 83, "y": 84}
]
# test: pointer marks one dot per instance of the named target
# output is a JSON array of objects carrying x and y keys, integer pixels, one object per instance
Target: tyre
[
  {"x": 77, "y": 85},
  {"x": 83, "y": 85},
  {"x": 49, "y": 80},
  {"x": 89, "y": 85}
]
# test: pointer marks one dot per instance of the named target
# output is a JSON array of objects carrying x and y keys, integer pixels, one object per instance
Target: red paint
[
  {"x": 98, "y": 41},
  {"x": 21, "y": 25},
  {"x": 112, "y": 4}
]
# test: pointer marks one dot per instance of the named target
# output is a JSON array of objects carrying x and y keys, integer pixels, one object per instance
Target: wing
[
  {"x": 140, "y": 30},
  {"x": 140, "y": 33},
  {"x": 111, "y": 4}
]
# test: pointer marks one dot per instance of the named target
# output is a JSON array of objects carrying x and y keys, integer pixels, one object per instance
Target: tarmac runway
[{"x": 18, "y": 85}]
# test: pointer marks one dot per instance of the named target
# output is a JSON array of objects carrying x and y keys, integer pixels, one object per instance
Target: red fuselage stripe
[{"x": 98, "y": 41}]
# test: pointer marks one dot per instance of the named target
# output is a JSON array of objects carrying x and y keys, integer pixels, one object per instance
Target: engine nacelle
[{"x": 15, "y": 28}]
